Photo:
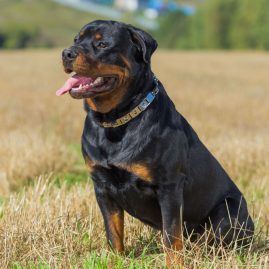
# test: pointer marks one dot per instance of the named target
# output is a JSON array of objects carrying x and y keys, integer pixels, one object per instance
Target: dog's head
[{"x": 105, "y": 57}]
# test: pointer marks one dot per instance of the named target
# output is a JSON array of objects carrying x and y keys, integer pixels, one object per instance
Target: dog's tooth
[
  {"x": 80, "y": 87},
  {"x": 98, "y": 80}
]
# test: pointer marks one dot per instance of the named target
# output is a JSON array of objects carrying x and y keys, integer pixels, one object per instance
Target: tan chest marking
[{"x": 141, "y": 170}]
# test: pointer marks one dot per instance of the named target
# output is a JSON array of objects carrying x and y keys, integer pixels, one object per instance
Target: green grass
[
  {"x": 71, "y": 178},
  {"x": 46, "y": 22},
  {"x": 105, "y": 259},
  {"x": 77, "y": 174},
  {"x": 130, "y": 262},
  {"x": 31, "y": 266},
  {"x": 101, "y": 261}
]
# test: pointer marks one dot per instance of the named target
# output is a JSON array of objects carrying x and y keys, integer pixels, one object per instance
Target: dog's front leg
[
  {"x": 170, "y": 198},
  {"x": 113, "y": 217}
]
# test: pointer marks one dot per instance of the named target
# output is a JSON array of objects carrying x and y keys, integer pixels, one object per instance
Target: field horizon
[{"x": 48, "y": 214}]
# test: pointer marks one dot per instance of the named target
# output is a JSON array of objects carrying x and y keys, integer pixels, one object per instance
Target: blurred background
[
  {"x": 213, "y": 61},
  {"x": 177, "y": 24}
]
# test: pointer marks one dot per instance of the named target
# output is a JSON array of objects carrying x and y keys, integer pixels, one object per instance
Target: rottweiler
[{"x": 143, "y": 156}]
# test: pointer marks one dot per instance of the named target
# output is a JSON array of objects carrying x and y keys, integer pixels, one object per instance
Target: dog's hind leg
[{"x": 231, "y": 223}]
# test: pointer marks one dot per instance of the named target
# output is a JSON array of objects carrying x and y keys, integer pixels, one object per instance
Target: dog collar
[{"x": 136, "y": 111}]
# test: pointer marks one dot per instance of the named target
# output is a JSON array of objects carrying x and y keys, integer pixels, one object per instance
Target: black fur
[{"x": 186, "y": 178}]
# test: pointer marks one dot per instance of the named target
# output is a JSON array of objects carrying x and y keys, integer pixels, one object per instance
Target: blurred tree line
[
  {"x": 218, "y": 24},
  {"x": 21, "y": 36}
]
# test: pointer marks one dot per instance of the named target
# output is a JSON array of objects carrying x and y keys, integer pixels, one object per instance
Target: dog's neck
[{"x": 136, "y": 92}]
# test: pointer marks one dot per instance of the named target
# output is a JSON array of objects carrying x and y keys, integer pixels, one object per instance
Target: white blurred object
[
  {"x": 128, "y": 5},
  {"x": 151, "y": 13}
]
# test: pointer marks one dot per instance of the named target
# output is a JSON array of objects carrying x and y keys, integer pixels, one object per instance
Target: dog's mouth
[{"x": 83, "y": 87}]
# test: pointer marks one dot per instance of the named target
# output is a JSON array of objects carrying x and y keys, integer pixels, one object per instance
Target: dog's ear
[{"x": 144, "y": 42}]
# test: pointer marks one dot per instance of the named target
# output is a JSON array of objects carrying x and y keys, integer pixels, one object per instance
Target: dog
[{"x": 143, "y": 156}]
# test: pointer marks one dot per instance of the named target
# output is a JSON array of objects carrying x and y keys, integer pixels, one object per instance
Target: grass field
[
  {"x": 47, "y": 23},
  {"x": 48, "y": 214}
]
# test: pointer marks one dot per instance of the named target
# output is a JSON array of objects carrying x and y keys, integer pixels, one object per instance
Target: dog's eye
[
  {"x": 75, "y": 40},
  {"x": 101, "y": 45}
]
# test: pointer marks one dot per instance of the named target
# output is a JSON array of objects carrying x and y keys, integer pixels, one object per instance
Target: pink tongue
[{"x": 73, "y": 82}]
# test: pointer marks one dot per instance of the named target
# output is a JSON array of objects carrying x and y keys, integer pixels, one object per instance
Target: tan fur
[
  {"x": 98, "y": 36},
  {"x": 174, "y": 252},
  {"x": 116, "y": 223},
  {"x": 126, "y": 61},
  {"x": 106, "y": 101},
  {"x": 141, "y": 170},
  {"x": 174, "y": 260},
  {"x": 90, "y": 164}
]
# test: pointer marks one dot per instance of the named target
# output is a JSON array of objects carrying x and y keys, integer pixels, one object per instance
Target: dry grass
[
  {"x": 59, "y": 226},
  {"x": 225, "y": 96},
  {"x": 34, "y": 129},
  {"x": 25, "y": 155},
  {"x": 62, "y": 227}
]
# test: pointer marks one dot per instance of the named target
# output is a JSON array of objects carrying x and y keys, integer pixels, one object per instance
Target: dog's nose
[{"x": 69, "y": 54}]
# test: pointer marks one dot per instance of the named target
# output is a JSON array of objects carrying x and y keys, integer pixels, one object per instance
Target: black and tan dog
[{"x": 143, "y": 156}]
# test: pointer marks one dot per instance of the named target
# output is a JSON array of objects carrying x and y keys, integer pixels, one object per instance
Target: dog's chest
[
  {"x": 99, "y": 158},
  {"x": 125, "y": 153}
]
